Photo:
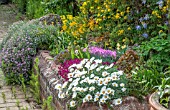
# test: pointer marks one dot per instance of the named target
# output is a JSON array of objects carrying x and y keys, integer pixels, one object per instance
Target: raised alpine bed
[{"x": 48, "y": 79}]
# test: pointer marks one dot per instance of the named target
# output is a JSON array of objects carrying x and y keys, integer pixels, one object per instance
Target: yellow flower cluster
[
  {"x": 94, "y": 16},
  {"x": 73, "y": 25},
  {"x": 156, "y": 13},
  {"x": 120, "y": 32},
  {"x": 164, "y": 9},
  {"x": 118, "y": 46}
]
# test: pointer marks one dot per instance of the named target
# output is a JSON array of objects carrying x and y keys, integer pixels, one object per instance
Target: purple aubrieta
[
  {"x": 144, "y": 2},
  {"x": 145, "y": 35},
  {"x": 141, "y": 19},
  {"x": 146, "y": 17},
  {"x": 144, "y": 25},
  {"x": 160, "y": 3},
  {"x": 138, "y": 27}
]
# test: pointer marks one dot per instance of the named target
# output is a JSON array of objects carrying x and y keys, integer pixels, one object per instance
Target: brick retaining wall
[{"x": 48, "y": 79}]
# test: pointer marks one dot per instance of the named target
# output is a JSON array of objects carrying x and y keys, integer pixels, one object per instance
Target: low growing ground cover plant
[{"x": 91, "y": 81}]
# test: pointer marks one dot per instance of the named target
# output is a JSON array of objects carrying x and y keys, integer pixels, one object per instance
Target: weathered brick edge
[{"x": 48, "y": 79}]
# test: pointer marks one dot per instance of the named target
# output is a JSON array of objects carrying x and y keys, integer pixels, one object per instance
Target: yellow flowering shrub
[{"x": 108, "y": 22}]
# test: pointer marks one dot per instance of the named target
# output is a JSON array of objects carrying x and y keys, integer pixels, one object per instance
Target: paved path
[{"x": 12, "y": 97}]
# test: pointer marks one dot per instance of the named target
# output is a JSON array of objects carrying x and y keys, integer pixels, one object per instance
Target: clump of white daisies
[{"x": 90, "y": 81}]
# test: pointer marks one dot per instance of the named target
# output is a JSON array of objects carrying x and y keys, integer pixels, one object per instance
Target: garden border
[{"x": 48, "y": 79}]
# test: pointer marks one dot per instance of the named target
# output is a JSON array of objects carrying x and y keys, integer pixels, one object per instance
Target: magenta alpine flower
[{"x": 63, "y": 69}]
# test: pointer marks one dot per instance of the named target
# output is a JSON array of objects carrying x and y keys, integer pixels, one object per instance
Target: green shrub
[
  {"x": 156, "y": 51},
  {"x": 38, "y": 8},
  {"x": 144, "y": 80}
]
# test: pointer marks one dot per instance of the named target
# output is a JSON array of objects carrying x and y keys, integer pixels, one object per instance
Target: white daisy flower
[
  {"x": 77, "y": 75},
  {"x": 107, "y": 67},
  {"x": 58, "y": 87},
  {"x": 87, "y": 65},
  {"x": 83, "y": 77},
  {"x": 102, "y": 100},
  {"x": 101, "y": 67},
  {"x": 120, "y": 73},
  {"x": 74, "y": 83},
  {"x": 91, "y": 81},
  {"x": 86, "y": 89},
  {"x": 92, "y": 75},
  {"x": 82, "y": 90},
  {"x": 82, "y": 81},
  {"x": 114, "y": 77},
  {"x": 92, "y": 88},
  {"x": 72, "y": 66},
  {"x": 61, "y": 95},
  {"x": 97, "y": 94},
  {"x": 113, "y": 92},
  {"x": 64, "y": 85},
  {"x": 123, "y": 89},
  {"x": 87, "y": 79},
  {"x": 105, "y": 82},
  {"x": 122, "y": 85},
  {"x": 88, "y": 97},
  {"x": 100, "y": 81},
  {"x": 70, "y": 87},
  {"x": 108, "y": 79},
  {"x": 92, "y": 59},
  {"x": 72, "y": 103},
  {"x": 74, "y": 89},
  {"x": 70, "y": 75},
  {"x": 98, "y": 69},
  {"x": 74, "y": 95},
  {"x": 114, "y": 74},
  {"x": 114, "y": 84},
  {"x": 109, "y": 90},
  {"x": 111, "y": 65},
  {"x": 79, "y": 66},
  {"x": 83, "y": 61},
  {"x": 83, "y": 72},
  {"x": 103, "y": 90},
  {"x": 98, "y": 61},
  {"x": 78, "y": 88},
  {"x": 96, "y": 99},
  {"x": 67, "y": 92},
  {"x": 93, "y": 66},
  {"x": 70, "y": 79},
  {"x": 84, "y": 100},
  {"x": 104, "y": 73},
  {"x": 71, "y": 69},
  {"x": 96, "y": 78},
  {"x": 76, "y": 52},
  {"x": 117, "y": 101},
  {"x": 105, "y": 97}
]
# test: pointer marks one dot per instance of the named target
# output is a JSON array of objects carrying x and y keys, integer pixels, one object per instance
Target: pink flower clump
[
  {"x": 102, "y": 52},
  {"x": 63, "y": 69}
]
